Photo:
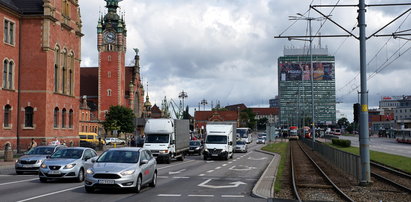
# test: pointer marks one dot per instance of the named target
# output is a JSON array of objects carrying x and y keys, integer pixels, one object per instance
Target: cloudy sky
[{"x": 225, "y": 49}]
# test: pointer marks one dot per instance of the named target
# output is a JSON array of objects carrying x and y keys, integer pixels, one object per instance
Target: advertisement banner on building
[{"x": 301, "y": 71}]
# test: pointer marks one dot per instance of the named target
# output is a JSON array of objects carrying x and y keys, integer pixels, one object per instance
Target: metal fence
[{"x": 347, "y": 162}]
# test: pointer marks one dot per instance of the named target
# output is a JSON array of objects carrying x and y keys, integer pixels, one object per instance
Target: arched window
[
  {"x": 64, "y": 72},
  {"x": 63, "y": 118},
  {"x": 56, "y": 117},
  {"x": 28, "y": 117},
  {"x": 71, "y": 75},
  {"x": 5, "y": 64},
  {"x": 109, "y": 74},
  {"x": 56, "y": 69},
  {"x": 109, "y": 58},
  {"x": 10, "y": 82},
  {"x": 7, "y": 116},
  {"x": 108, "y": 92},
  {"x": 71, "y": 118}
]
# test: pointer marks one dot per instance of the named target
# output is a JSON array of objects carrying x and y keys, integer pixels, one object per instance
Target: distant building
[
  {"x": 202, "y": 117},
  {"x": 275, "y": 102},
  {"x": 294, "y": 87},
  {"x": 402, "y": 113},
  {"x": 271, "y": 114}
]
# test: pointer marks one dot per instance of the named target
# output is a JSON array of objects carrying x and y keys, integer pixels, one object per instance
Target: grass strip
[
  {"x": 395, "y": 161},
  {"x": 280, "y": 148}
]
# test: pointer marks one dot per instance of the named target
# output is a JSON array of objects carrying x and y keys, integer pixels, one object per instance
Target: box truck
[
  {"x": 167, "y": 138},
  {"x": 220, "y": 140}
]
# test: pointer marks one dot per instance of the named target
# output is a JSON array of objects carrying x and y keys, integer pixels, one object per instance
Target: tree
[
  {"x": 247, "y": 118},
  {"x": 119, "y": 118},
  {"x": 261, "y": 123},
  {"x": 343, "y": 122},
  {"x": 186, "y": 115}
]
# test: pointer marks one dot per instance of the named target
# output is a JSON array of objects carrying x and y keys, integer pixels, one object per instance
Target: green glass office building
[{"x": 294, "y": 87}]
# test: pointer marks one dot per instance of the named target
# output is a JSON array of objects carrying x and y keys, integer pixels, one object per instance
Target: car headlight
[
  {"x": 17, "y": 160},
  {"x": 69, "y": 166},
  {"x": 127, "y": 172},
  {"x": 164, "y": 152},
  {"x": 89, "y": 171},
  {"x": 43, "y": 165},
  {"x": 40, "y": 161},
  {"x": 206, "y": 150}
]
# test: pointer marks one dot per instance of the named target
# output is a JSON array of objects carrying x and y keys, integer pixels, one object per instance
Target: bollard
[
  {"x": 8, "y": 153},
  {"x": 114, "y": 145}
]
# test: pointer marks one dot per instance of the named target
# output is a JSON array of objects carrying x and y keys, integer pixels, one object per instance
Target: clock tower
[{"x": 111, "y": 45}]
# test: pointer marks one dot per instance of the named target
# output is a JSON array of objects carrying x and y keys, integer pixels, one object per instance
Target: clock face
[{"x": 109, "y": 37}]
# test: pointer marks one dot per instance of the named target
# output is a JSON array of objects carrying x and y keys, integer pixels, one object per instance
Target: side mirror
[
  {"x": 48, "y": 156},
  {"x": 93, "y": 160},
  {"x": 142, "y": 162},
  {"x": 230, "y": 143},
  {"x": 173, "y": 141}
]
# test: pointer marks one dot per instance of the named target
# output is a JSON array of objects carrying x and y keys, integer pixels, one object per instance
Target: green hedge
[{"x": 342, "y": 143}]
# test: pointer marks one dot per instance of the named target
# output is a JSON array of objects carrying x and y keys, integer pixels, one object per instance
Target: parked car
[
  {"x": 128, "y": 167},
  {"x": 195, "y": 147},
  {"x": 91, "y": 140},
  {"x": 115, "y": 140},
  {"x": 33, "y": 158},
  {"x": 241, "y": 146},
  {"x": 70, "y": 162},
  {"x": 260, "y": 140}
]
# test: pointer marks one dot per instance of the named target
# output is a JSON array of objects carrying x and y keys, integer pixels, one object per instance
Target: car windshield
[
  {"x": 240, "y": 143},
  {"x": 157, "y": 138},
  {"x": 41, "y": 151},
  {"x": 242, "y": 132},
  {"x": 68, "y": 154},
  {"x": 119, "y": 156},
  {"x": 216, "y": 139},
  {"x": 195, "y": 143},
  {"x": 262, "y": 135}
]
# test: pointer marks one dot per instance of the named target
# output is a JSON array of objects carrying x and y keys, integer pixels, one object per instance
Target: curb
[{"x": 267, "y": 177}]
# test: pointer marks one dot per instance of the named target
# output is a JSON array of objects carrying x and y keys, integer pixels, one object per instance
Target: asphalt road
[
  {"x": 191, "y": 180},
  {"x": 386, "y": 145}
]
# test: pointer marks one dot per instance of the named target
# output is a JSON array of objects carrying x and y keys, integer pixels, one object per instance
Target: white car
[{"x": 115, "y": 140}]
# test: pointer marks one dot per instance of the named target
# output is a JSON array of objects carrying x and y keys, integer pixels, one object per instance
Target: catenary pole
[
  {"x": 312, "y": 83},
  {"x": 364, "y": 133}
]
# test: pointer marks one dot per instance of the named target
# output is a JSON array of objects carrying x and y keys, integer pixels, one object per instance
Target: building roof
[
  {"x": 266, "y": 111},
  {"x": 206, "y": 115},
  {"x": 26, "y": 7},
  {"x": 236, "y": 107}
]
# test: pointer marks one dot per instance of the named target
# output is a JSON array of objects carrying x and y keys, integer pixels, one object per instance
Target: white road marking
[
  {"x": 218, "y": 168},
  {"x": 194, "y": 195},
  {"x": 175, "y": 165},
  {"x": 52, "y": 193},
  {"x": 201, "y": 175},
  {"x": 231, "y": 185},
  {"x": 176, "y": 172},
  {"x": 14, "y": 182},
  {"x": 225, "y": 164},
  {"x": 230, "y": 162},
  {"x": 169, "y": 195},
  {"x": 181, "y": 177},
  {"x": 210, "y": 171},
  {"x": 164, "y": 177},
  {"x": 232, "y": 196}
]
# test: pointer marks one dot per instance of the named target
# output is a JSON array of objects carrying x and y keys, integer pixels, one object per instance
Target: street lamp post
[
  {"x": 204, "y": 102},
  {"x": 183, "y": 95}
]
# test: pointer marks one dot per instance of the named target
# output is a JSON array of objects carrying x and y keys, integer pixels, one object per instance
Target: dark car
[{"x": 195, "y": 147}]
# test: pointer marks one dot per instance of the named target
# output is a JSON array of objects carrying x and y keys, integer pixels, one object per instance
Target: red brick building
[
  {"x": 111, "y": 83},
  {"x": 40, "y": 71},
  {"x": 202, "y": 117}
]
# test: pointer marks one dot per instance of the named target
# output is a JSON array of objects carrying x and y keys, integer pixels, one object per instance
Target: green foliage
[
  {"x": 186, "y": 115},
  {"x": 343, "y": 122},
  {"x": 280, "y": 148},
  {"x": 119, "y": 118},
  {"x": 261, "y": 123},
  {"x": 341, "y": 143},
  {"x": 247, "y": 118}
]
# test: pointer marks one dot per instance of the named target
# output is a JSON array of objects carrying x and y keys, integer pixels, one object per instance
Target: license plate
[
  {"x": 190, "y": 150},
  {"x": 106, "y": 181},
  {"x": 27, "y": 166},
  {"x": 54, "y": 172},
  {"x": 214, "y": 154}
]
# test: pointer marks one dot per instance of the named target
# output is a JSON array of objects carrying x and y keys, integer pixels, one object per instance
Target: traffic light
[{"x": 357, "y": 110}]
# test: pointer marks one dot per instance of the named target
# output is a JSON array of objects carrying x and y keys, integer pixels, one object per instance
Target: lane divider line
[
  {"x": 52, "y": 193},
  {"x": 167, "y": 195},
  {"x": 175, "y": 165},
  {"x": 14, "y": 182},
  {"x": 194, "y": 195}
]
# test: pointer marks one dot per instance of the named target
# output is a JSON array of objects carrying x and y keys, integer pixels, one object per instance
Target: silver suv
[{"x": 128, "y": 167}]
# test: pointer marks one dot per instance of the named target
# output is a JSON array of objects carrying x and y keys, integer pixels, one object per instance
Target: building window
[
  {"x": 8, "y": 67},
  {"x": 66, "y": 8},
  {"x": 63, "y": 118},
  {"x": 56, "y": 69},
  {"x": 63, "y": 72},
  {"x": 56, "y": 117},
  {"x": 7, "y": 116},
  {"x": 109, "y": 74},
  {"x": 28, "y": 117},
  {"x": 109, "y": 58},
  {"x": 71, "y": 118},
  {"x": 108, "y": 92},
  {"x": 71, "y": 82},
  {"x": 9, "y": 32}
]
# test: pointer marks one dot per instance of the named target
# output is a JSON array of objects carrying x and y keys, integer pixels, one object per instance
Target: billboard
[{"x": 290, "y": 71}]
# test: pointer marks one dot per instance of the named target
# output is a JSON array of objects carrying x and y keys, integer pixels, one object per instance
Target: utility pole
[{"x": 364, "y": 131}]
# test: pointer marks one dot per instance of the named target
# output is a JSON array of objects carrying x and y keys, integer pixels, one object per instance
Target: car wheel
[
  {"x": 181, "y": 158},
  {"x": 154, "y": 180},
  {"x": 80, "y": 177},
  {"x": 19, "y": 172},
  {"x": 168, "y": 159},
  {"x": 89, "y": 189},
  {"x": 138, "y": 185},
  {"x": 232, "y": 156},
  {"x": 43, "y": 179},
  {"x": 205, "y": 157}
]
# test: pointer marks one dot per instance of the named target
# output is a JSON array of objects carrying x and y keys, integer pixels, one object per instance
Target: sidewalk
[
  {"x": 7, "y": 167},
  {"x": 264, "y": 188}
]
